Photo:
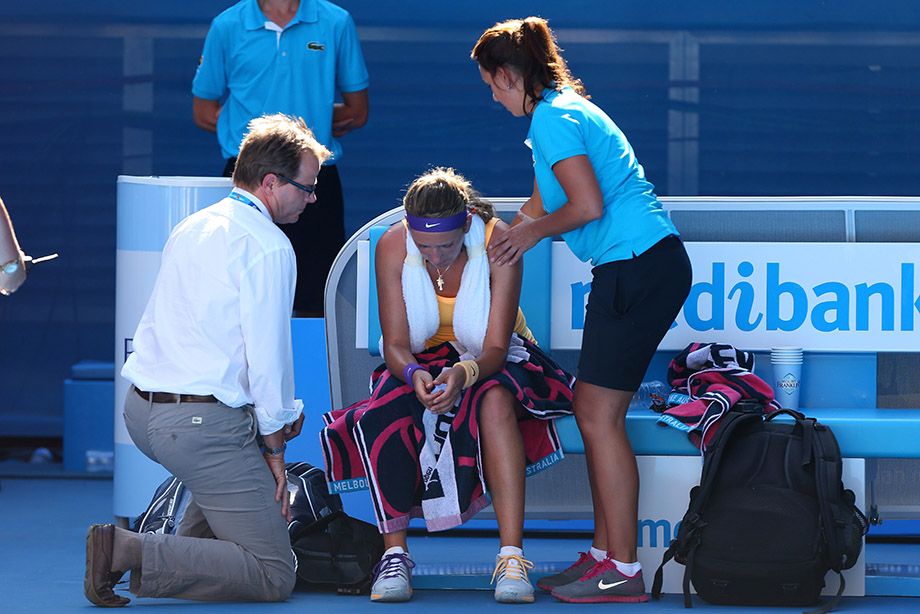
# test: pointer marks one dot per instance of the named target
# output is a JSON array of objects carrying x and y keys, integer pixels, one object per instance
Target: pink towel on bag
[{"x": 714, "y": 377}]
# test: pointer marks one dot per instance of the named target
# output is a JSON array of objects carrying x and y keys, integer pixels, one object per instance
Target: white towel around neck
[{"x": 471, "y": 311}]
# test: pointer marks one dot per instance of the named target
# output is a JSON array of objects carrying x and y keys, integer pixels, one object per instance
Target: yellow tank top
[{"x": 446, "y": 306}]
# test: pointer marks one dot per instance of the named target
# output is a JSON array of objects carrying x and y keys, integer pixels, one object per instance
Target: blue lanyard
[{"x": 244, "y": 200}]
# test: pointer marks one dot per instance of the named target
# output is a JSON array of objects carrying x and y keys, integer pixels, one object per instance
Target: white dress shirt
[{"x": 219, "y": 318}]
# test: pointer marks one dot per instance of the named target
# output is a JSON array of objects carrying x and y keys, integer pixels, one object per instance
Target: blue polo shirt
[
  {"x": 257, "y": 68},
  {"x": 565, "y": 124}
]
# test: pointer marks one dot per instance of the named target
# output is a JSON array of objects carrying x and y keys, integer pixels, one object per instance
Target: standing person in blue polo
[
  {"x": 288, "y": 56},
  {"x": 590, "y": 189}
]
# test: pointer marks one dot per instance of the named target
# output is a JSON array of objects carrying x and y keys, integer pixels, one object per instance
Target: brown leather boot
[{"x": 99, "y": 581}]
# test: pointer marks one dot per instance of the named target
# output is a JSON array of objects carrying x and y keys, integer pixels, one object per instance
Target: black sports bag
[{"x": 770, "y": 517}]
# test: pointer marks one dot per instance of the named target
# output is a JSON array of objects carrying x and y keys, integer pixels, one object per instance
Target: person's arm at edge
[
  {"x": 9, "y": 253},
  {"x": 585, "y": 204}
]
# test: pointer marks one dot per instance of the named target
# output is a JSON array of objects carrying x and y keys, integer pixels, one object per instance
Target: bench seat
[{"x": 861, "y": 433}]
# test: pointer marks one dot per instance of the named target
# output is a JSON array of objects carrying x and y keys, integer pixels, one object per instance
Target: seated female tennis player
[{"x": 465, "y": 400}]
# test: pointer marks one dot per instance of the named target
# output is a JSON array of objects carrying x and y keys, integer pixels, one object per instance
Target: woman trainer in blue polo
[{"x": 590, "y": 189}]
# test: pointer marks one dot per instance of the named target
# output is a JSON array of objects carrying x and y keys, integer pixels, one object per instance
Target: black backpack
[
  {"x": 166, "y": 509},
  {"x": 770, "y": 517},
  {"x": 333, "y": 550}
]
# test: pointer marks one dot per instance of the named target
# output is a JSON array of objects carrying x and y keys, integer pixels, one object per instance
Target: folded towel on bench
[{"x": 713, "y": 377}]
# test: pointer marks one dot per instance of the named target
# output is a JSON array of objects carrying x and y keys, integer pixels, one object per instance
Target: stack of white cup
[{"x": 787, "y": 375}]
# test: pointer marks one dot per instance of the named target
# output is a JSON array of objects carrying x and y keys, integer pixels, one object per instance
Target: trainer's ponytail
[{"x": 529, "y": 46}]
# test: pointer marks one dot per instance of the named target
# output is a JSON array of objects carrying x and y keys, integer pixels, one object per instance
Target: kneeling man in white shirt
[{"x": 213, "y": 387}]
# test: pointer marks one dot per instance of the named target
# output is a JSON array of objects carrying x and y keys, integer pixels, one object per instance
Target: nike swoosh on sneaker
[
  {"x": 427, "y": 225},
  {"x": 604, "y": 586}
]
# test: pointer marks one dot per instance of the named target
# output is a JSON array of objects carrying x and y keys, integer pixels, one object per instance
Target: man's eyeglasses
[{"x": 309, "y": 189}]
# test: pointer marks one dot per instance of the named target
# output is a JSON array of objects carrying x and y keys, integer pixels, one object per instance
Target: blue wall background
[{"x": 745, "y": 98}]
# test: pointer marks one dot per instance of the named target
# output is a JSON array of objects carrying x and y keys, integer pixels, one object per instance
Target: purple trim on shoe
[{"x": 386, "y": 562}]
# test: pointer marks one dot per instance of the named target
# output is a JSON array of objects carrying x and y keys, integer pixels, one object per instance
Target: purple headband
[{"x": 436, "y": 224}]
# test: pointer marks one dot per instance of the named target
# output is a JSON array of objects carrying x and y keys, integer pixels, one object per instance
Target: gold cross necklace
[{"x": 440, "y": 279}]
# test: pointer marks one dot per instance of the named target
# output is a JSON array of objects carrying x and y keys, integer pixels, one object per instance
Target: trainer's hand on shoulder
[{"x": 509, "y": 246}]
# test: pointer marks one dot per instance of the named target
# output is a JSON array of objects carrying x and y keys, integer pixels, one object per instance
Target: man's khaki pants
[{"x": 212, "y": 449}]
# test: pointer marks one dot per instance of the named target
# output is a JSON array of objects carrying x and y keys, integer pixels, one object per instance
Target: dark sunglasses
[{"x": 309, "y": 189}]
